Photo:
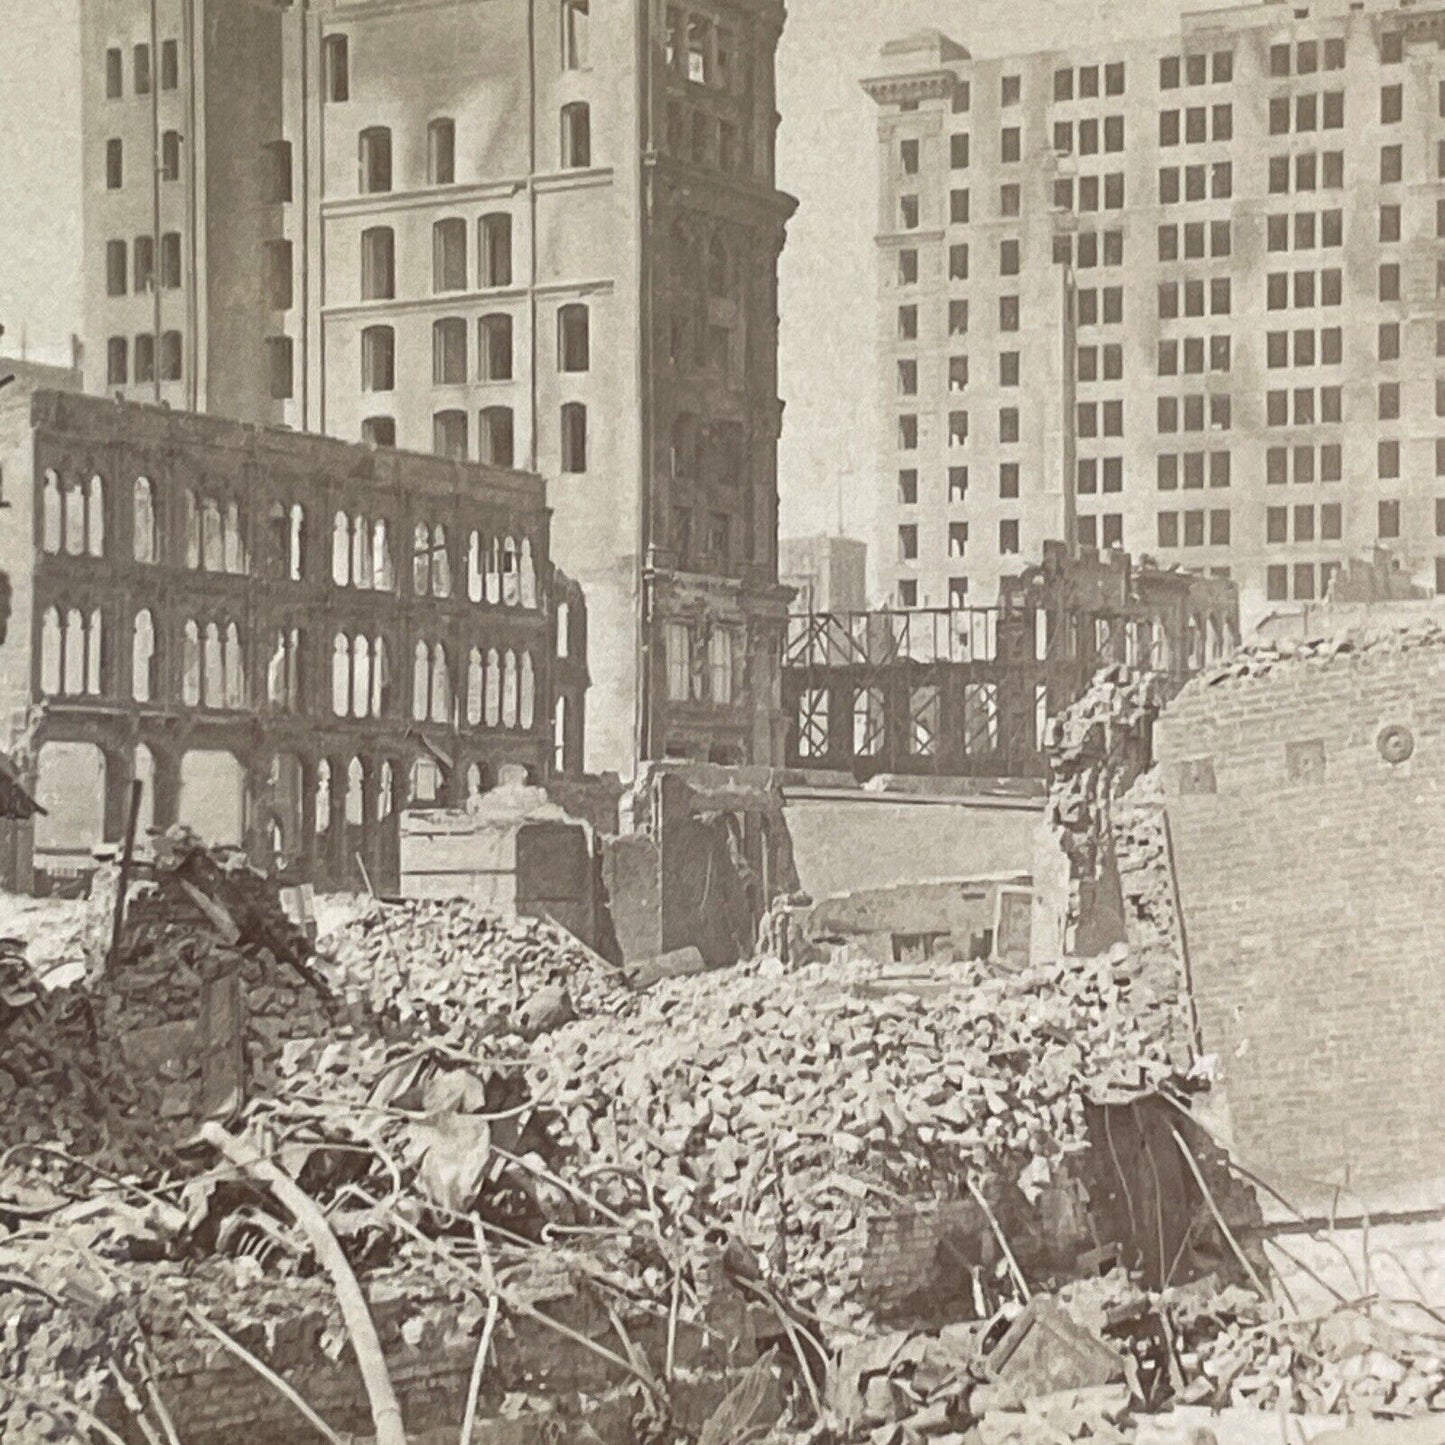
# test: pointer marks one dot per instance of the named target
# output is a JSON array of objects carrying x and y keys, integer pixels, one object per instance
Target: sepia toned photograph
[{"x": 722, "y": 723}]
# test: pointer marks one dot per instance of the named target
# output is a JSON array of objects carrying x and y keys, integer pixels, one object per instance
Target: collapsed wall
[{"x": 1305, "y": 789}]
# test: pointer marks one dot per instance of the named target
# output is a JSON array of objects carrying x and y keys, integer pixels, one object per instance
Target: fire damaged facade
[
  {"x": 287, "y": 639},
  {"x": 969, "y": 692}
]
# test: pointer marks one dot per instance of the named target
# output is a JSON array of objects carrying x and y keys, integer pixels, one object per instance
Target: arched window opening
[
  {"x": 509, "y": 689},
  {"x": 95, "y": 517},
  {"x": 213, "y": 668},
  {"x": 323, "y": 796},
  {"x": 143, "y": 657},
  {"x": 74, "y": 521},
  {"x": 361, "y": 572},
  {"x": 475, "y": 585},
  {"x": 528, "y": 693},
  {"x": 213, "y": 547},
  {"x": 235, "y": 668},
  {"x": 494, "y": 689},
  {"x": 94, "y": 651},
  {"x": 386, "y": 792},
  {"x": 475, "y": 782},
  {"x": 511, "y": 586},
  {"x": 420, "y": 682},
  {"x": 341, "y": 675},
  {"x": 52, "y": 675},
  {"x": 381, "y": 574},
  {"x": 355, "y": 793},
  {"x": 74, "y": 652},
  {"x": 441, "y": 564},
  {"x": 441, "y": 685},
  {"x": 564, "y": 624},
  {"x": 360, "y": 676},
  {"x": 340, "y": 550},
  {"x": 380, "y": 679},
  {"x": 529, "y": 575},
  {"x": 191, "y": 523},
  {"x": 191, "y": 665},
  {"x": 475, "y": 684},
  {"x": 238, "y": 561},
  {"x": 298, "y": 533},
  {"x": 52, "y": 523},
  {"x": 143, "y": 521},
  {"x": 421, "y": 560},
  {"x": 559, "y": 735},
  {"x": 494, "y": 570}
]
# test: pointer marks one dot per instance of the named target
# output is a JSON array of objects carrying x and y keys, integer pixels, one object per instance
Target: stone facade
[{"x": 286, "y": 638}]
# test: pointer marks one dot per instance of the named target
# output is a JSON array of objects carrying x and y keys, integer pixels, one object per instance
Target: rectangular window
[
  {"x": 171, "y": 260},
  {"x": 279, "y": 364},
  {"x": 449, "y": 255},
  {"x": 1008, "y": 480},
  {"x": 1392, "y": 104},
  {"x": 957, "y": 483},
  {"x": 336, "y": 63},
  {"x": 958, "y": 207},
  {"x": 114, "y": 165},
  {"x": 576, "y": 147},
  {"x": 278, "y": 170},
  {"x": 1168, "y": 523},
  {"x": 441, "y": 157},
  {"x": 278, "y": 274},
  {"x": 958, "y": 150},
  {"x": 1389, "y": 521},
  {"x": 117, "y": 358},
  {"x": 115, "y": 268},
  {"x": 142, "y": 57},
  {"x": 170, "y": 360},
  {"x": 170, "y": 65},
  {"x": 1008, "y": 536},
  {"x": 115, "y": 75}
]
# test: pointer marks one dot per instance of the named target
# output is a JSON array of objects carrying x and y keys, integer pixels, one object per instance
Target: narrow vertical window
[
  {"x": 449, "y": 255},
  {"x": 574, "y": 437},
  {"x": 441, "y": 152},
  {"x": 114, "y": 74},
  {"x": 336, "y": 56},
  {"x": 378, "y": 264},
  {"x": 495, "y": 246},
  {"x": 170, "y": 65},
  {"x": 575, "y": 18},
  {"x": 142, "y": 56},
  {"x": 494, "y": 347},
  {"x": 374, "y": 154},
  {"x": 114, "y": 165},
  {"x": 573, "y": 338},
  {"x": 378, "y": 359},
  {"x": 171, "y": 155},
  {"x": 576, "y": 135}
]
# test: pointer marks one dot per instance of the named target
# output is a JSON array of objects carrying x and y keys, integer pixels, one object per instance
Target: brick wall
[{"x": 1312, "y": 880}]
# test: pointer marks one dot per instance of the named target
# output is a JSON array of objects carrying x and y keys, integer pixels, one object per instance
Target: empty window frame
[
  {"x": 494, "y": 347},
  {"x": 378, "y": 358},
  {"x": 441, "y": 151},
  {"x": 494, "y": 248},
  {"x": 336, "y": 66},
  {"x": 449, "y": 254},
  {"x": 574, "y": 437},
  {"x": 378, "y": 264},
  {"x": 576, "y": 148},
  {"x": 574, "y": 341},
  {"x": 374, "y": 160}
]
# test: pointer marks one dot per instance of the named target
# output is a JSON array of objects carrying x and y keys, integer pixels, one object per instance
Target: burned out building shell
[{"x": 288, "y": 639}]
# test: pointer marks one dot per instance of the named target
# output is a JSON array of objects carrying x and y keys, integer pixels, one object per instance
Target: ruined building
[
  {"x": 1177, "y": 295},
  {"x": 970, "y": 692},
  {"x": 543, "y": 236},
  {"x": 287, "y": 638}
]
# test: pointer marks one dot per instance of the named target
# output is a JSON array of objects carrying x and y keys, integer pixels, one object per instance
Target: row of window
[
  {"x": 1325, "y": 348},
  {"x": 1330, "y": 519},
  {"x": 1193, "y": 296},
  {"x": 1189, "y": 470},
  {"x": 1088, "y": 249},
  {"x": 1104, "y": 530},
  {"x": 700, "y": 663},
  {"x": 1308, "y": 56},
  {"x": 1194, "y": 235},
  {"x": 1008, "y": 539},
  {"x": 1308, "y": 112},
  {"x": 1187, "y": 355},
  {"x": 1083, "y": 83},
  {"x": 143, "y": 253},
  {"x": 118, "y": 370},
  {"x": 1196, "y": 183},
  {"x": 1193, "y": 413},
  {"x": 1089, "y": 134},
  {"x": 1327, "y": 228},
  {"x": 142, "y": 79},
  {"x": 170, "y": 160},
  {"x": 374, "y": 149},
  {"x": 1196, "y": 124},
  {"x": 1192, "y": 532},
  {"x": 1008, "y": 483},
  {"x": 1279, "y": 577},
  {"x": 1309, "y": 170},
  {"x": 1070, "y": 194},
  {"x": 1175, "y": 70}
]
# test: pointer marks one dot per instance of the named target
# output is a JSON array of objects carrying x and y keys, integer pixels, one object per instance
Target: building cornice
[{"x": 922, "y": 85}]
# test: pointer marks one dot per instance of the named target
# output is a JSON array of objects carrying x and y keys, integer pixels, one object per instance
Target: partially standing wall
[{"x": 1306, "y": 801}]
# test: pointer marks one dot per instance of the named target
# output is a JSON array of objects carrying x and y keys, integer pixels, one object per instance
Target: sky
[{"x": 827, "y": 158}]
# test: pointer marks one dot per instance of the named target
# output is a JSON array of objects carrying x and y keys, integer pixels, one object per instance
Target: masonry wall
[{"x": 1312, "y": 880}]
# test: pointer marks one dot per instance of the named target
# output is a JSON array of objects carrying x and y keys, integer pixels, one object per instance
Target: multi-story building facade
[
  {"x": 537, "y": 234},
  {"x": 1185, "y": 298},
  {"x": 196, "y": 173},
  {"x": 287, "y": 638}
]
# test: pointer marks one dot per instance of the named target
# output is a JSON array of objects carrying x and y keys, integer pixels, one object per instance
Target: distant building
[
  {"x": 469, "y": 229},
  {"x": 1180, "y": 297},
  {"x": 828, "y": 574},
  {"x": 287, "y": 638}
]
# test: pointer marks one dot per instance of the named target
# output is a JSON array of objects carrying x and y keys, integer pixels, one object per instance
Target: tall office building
[
  {"x": 538, "y": 233},
  {"x": 194, "y": 205},
  {"x": 1183, "y": 297}
]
